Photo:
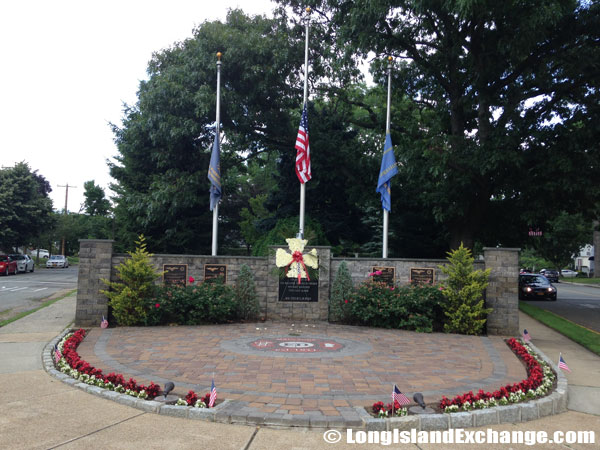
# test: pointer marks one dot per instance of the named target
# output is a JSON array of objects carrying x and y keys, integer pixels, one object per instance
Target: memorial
[{"x": 175, "y": 274}]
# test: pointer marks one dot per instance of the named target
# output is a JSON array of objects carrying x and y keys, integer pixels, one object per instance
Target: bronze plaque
[
  {"x": 175, "y": 274},
  {"x": 212, "y": 271},
  {"x": 387, "y": 276},
  {"x": 422, "y": 275}
]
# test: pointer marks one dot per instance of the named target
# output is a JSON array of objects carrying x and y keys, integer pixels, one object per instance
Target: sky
[{"x": 68, "y": 66}]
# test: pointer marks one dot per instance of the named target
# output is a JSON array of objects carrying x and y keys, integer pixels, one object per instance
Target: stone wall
[{"x": 96, "y": 261}]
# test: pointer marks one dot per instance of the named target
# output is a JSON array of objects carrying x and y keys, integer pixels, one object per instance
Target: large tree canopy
[
  {"x": 494, "y": 120},
  {"x": 25, "y": 208},
  {"x": 506, "y": 97}
]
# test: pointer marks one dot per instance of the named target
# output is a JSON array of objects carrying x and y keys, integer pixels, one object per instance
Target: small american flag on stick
[
  {"x": 213, "y": 394},
  {"x": 399, "y": 397},
  {"x": 526, "y": 336},
  {"x": 562, "y": 364}
]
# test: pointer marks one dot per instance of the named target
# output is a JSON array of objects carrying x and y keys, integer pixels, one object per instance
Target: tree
[
  {"x": 95, "y": 204},
  {"x": 164, "y": 143},
  {"x": 498, "y": 89},
  {"x": 566, "y": 235},
  {"x": 25, "y": 208}
]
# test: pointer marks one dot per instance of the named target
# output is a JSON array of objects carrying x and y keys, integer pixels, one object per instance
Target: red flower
[
  {"x": 191, "y": 279},
  {"x": 157, "y": 305}
]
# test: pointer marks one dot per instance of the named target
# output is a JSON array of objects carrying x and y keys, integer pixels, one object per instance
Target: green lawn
[
  {"x": 583, "y": 336},
  {"x": 581, "y": 280}
]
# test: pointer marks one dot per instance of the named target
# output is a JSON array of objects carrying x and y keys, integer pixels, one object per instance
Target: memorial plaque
[
  {"x": 292, "y": 291},
  {"x": 175, "y": 274},
  {"x": 388, "y": 275},
  {"x": 422, "y": 275},
  {"x": 212, "y": 271}
]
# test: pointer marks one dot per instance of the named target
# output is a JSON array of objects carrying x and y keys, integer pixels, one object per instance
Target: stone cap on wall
[
  {"x": 502, "y": 249},
  {"x": 171, "y": 255},
  {"x": 107, "y": 241}
]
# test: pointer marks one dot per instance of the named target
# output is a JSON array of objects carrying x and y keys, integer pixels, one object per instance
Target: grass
[
  {"x": 583, "y": 336},
  {"x": 43, "y": 305},
  {"x": 581, "y": 280}
]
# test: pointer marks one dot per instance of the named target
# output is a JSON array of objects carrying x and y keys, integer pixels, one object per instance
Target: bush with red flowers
[
  {"x": 538, "y": 383},
  {"x": 70, "y": 363}
]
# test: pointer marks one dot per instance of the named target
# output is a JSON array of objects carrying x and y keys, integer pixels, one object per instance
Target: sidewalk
[{"x": 38, "y": 411}]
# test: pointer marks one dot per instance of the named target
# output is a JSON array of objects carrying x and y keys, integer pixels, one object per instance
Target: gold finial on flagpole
[
  {"x": 308, "y": 10},
  {"x": 390, "y": 59},
  {"x": 219, "y": 54}
]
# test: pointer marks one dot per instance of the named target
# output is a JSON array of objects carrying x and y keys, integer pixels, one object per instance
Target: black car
[
  {"x": 552, "y": 275},
  {"x": 535, "y": 286}
]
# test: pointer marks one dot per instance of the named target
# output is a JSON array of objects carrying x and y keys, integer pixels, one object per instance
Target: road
[
  {"x": 579, "y": 304},
  {"x": 26, "y": 291}
]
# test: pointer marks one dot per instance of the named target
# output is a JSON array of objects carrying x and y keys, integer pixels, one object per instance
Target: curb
[{"x": 236, "y": 412}]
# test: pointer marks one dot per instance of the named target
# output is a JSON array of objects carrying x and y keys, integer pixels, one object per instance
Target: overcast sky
[{"x": 68, "y": 66}]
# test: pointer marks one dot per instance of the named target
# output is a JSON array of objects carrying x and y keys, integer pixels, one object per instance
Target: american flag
[
  {"x": 399, "y": 397},
  {"x": 562, "y": 364},
  {"x": 303, "y": 150},
  {"x": 57, "y": 354},
  {"x": 526, "y": 336},
  {"x": 213, "y": 395}
]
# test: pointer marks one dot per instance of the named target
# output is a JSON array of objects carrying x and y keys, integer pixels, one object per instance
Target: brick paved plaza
[{"x": 304, "y": 370}]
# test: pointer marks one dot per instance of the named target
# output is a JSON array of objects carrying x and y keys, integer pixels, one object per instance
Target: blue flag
[
  {"x": 214, "y": 175},
  {"x": 387, "y": 171}
]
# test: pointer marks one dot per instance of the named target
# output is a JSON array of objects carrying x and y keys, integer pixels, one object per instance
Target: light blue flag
[
  {"x": 214, "y": 174},
  {"x": 388, "y": 170}
]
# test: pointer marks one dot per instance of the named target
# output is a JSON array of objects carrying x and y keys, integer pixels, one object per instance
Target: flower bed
[
  {"x": 67, "y": 360},
  {"x": 539, "y": 382}
]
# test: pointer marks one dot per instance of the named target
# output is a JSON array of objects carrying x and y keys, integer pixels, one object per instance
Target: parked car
[
  {"x": 24, "y": 262},
  {"x": 57, "y": 261},
  {"x": 8, "y": 265},
  {"x": 568, "y": 273},
  {"x": 43, "y": 253},
  {"x": 552, "y": 275},
  {"x": 535, "y": 286}
]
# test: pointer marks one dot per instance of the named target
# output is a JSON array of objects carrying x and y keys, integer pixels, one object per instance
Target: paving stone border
[{"x": 233, "y": 411}]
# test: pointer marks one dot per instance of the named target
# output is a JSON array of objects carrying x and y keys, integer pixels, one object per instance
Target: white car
[
  {"x": 57, "y": 261},
  {"x": 43, "y": 253},
  {"x": 24, "y": 263},
  {"x": 568, "y": 273}
]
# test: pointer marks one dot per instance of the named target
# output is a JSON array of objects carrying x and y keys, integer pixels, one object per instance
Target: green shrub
[
  {"x": 407, "y": 307},
  {"x": 464, "y": 306},
  {"x": 245, "y": 294},
  {"x": 195, "y": 304},
  {"x": 128, "y": 298},
  {"x": 341, "y": 291}
]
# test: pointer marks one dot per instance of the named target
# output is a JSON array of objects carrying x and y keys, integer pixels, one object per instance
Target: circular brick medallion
[{"x": 296, "y": 345}]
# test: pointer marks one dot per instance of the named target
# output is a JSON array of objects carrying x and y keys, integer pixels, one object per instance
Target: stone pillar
[
  {"x": 95, "y": 260},
  {"x": 502, "y": 292}
]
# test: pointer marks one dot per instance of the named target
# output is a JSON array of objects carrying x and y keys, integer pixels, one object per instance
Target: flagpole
[
  {"x": 386, "y": 213},
  {"x": 303, "y": 185},
  {"x": 215, "y": 227}
]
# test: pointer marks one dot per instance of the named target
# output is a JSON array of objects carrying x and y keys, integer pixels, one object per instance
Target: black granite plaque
[
  {"x": 175, "y": 274},
  {"x": 422, "y": 275},
  {"x": 387, "y": 276},
  {"x": 292, "y": 291},
  {"x": 212, "y": 271}
]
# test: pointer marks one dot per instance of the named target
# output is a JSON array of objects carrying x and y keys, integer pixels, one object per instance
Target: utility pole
[{"x": 62, "y": 247}]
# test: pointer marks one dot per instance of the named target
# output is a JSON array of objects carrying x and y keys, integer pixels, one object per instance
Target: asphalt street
[
  {"x": 579, "y": 304},
  {"x": 26, "y": 291}
]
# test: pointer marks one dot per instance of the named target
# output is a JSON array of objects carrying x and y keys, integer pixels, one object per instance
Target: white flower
[
  {"x": 200, "y": 404},
  {"x": 181, "y": 402}
]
